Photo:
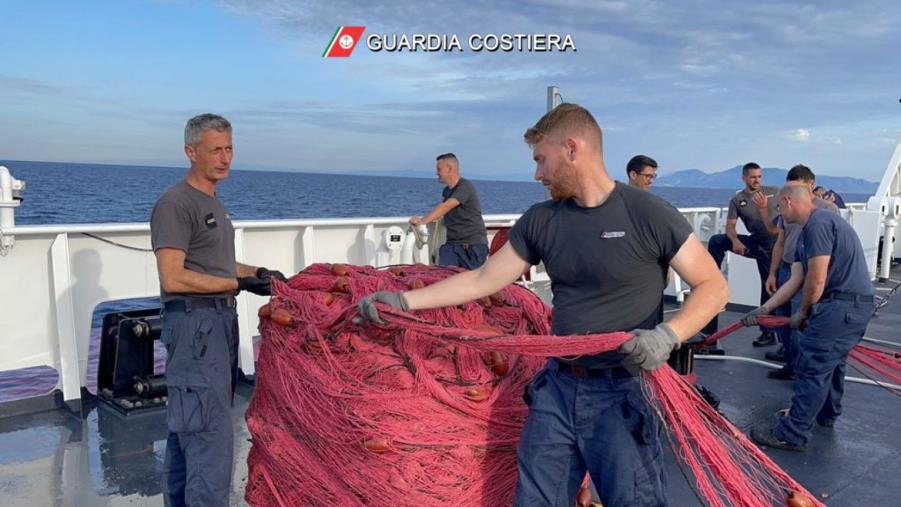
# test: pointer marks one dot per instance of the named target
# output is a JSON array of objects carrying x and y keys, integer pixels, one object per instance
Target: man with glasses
[{"x": 642, "y": 171}]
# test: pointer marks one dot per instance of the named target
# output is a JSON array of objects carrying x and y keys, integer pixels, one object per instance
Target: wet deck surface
[{"x": 102, "y": 458}]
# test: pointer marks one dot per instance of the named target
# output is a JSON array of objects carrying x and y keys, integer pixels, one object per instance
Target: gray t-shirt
[
  {"x": 742, "y": 206},
  {"x": 464, "y": 223},
  {"x": 829, "y": 234},
  {"x": 792, "y": 232},
  {"x": 607, "y": 264},
  {"x": 198, "y": 224}
]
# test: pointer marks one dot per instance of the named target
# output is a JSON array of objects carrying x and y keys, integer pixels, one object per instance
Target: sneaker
[
  {"x": 766, "y": 438},
  {"x": 782, "y": 374},
  {"x": 765, "y": 339},
  {"x": 778, "y": 355}
]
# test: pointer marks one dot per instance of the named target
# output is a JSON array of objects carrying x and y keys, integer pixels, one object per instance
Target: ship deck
[{"x": 100, "y": 458}]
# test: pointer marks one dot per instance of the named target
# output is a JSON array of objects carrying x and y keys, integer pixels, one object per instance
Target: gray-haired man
[{"x": 194, "y": 243}]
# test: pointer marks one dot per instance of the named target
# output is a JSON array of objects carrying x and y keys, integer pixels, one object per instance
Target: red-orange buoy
[
  {"x": 282, "y": 317},
  {"x": 264, "y": 312},
  {"x": 376, "y": 445},
  {"x": 340, "y": 269},
  {"x": 499, "y": 364},
  {"x": 342, "y": 284},
  {"x": 798, "y": 499},
  {"x": 417, "y": 284},
  {"x": 485, "y": 301},
  {"x": 328, "y": 298},
  {"x": 476, "y": 393},
  {"x": 584, "y": 498}
]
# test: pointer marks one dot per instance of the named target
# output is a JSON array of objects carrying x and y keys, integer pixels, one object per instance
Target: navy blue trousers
[
  {"x": 201, "y": 372},
  {"x": 788, "y": 337},
  {"x": 464, "y": 256},
  {"x": 719, "y": 244},
  {"x": 834, "y": 328},
  {"x": 600, "y": 425}
]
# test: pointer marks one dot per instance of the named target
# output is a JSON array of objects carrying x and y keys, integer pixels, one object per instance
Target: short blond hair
[{"x": 564, "y": 121}]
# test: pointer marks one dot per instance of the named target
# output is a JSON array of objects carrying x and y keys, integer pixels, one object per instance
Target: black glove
[
  {"x": 369, "y": 312},
  {"x": 650, "y": 348},
  {"x": 750, "y": 318},
  {"x": 255, "y": 284},
  {"x": 270, "y": 273}
]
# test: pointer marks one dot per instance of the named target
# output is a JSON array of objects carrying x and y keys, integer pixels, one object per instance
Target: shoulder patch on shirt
[{"x": 612, "y": 234}]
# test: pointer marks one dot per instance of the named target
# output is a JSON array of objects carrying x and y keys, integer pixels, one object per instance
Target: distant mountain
[{"x": 774, "y": 176}]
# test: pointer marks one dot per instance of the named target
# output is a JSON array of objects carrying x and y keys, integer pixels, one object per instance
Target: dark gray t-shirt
[
  {"x": 607, "y": 264},
  {"x": 792, "y": 232},
  {"x": 742, "y": 206},
  {"x": 826, "y": 233},
  {"x": 196, "y": 223},
  {"x": 464, "y": 223}
]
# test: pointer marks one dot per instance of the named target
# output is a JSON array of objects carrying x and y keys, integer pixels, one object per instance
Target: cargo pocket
[
  {"x": 189, "y": 408},
  {"x": 201, "y": 339}
]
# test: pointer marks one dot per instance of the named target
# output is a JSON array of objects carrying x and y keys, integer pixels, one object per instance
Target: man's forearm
[
  {"x": 191, "y": 282},
  {"x": 778, "y": 250},
  {"x": 731, "y": 232},
  {"x": 783, "y": 295},
  {"x": 436, "y": 213},
  {"x": 245, "y": 269},
  {"x": 458, "y": 289},
  {"x": 813, "y": 291},
  {"x": 704, "y": 302}
]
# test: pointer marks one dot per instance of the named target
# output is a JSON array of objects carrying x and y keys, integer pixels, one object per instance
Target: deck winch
[{"x": 126, "y": 379}]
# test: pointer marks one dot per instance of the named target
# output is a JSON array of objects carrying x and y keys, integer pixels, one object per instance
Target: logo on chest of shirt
[
  {"x": 742, "y": 203},
  {"x": 210, "y": 221},
  {"x": 612, "y": 234}
]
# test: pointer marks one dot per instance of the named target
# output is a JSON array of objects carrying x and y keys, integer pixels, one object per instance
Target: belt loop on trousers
[
  {"x": 218, "y": 305},
  {"x": 187, "y": 305}
]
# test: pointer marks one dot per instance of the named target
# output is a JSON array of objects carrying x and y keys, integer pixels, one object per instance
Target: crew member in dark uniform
[
  {"x": 602, "y": 243},
  {"x": 836, "y": 305},
  {"x": 467, "y": 238},
  {"x": 194, "y": 243}
]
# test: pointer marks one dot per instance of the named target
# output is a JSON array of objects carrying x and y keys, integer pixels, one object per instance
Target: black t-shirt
[
  {"x": 464, "y": 223},
  {"x": 607, "y": 264}
]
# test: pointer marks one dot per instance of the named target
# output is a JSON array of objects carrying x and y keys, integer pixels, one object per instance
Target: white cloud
[{"x": 800, "y": 135}]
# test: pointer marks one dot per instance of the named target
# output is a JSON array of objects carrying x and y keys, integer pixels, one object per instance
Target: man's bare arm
[
  {"x": 501, "y": 269},
  {"x": 709, "y": 292},
  {"x": 788, "y": 289},
  {"x": 814, "y": 282},
  {"x": 437, "y": 212},
  {"x": 175, "y": 278},
  {"x": 245, "y": 269}
]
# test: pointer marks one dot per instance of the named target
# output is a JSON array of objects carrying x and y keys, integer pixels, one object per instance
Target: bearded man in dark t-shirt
[{"x": 606, "y": 247}]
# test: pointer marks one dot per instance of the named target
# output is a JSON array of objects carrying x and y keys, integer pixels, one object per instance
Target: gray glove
[
  {"x": 650, "y": 348},
  {"x": 369, "y": 312},
  {"x": 798, "y": 320},
  {"x": 750, "y": 318}
]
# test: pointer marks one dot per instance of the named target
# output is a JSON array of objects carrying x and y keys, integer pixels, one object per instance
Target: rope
[{"x": 120, "y": 245}]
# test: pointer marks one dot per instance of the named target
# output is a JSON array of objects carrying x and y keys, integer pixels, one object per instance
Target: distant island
[{"x": 774, "y": 176}]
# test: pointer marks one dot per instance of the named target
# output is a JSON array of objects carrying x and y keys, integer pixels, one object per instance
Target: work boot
[
  {"x": 778, "y": 355},
  {"x": 766, "y": 438},
  {"x": 782, "y": 374},
  {"x": 765, "y": 339}
]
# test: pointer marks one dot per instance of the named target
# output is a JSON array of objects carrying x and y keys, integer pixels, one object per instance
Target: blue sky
[{"x": 694, "y": 84}]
